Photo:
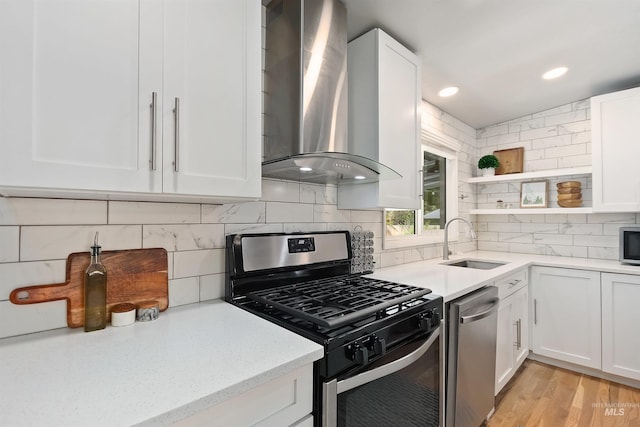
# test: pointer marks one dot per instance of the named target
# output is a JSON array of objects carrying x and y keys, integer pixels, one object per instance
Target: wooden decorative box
[{"x": 511, "y": 160}]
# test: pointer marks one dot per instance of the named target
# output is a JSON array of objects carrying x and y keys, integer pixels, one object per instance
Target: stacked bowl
[{"x": 569, "y": 194}]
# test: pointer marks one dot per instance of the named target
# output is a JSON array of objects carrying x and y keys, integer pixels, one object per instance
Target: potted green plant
[{"x": 488, "y": 164}]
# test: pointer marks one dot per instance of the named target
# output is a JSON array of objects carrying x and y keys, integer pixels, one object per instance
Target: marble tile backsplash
[
  {"x": 33, "y": 250},
  {"x": 552, "y": 139},
  {"x": 576, "y": 235},
  {"x": 555, "y": 138}
]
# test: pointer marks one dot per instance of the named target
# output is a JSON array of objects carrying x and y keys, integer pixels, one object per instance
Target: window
[
  {"x": 434, "y": 191},
  {"x": 439, "y": 202}
]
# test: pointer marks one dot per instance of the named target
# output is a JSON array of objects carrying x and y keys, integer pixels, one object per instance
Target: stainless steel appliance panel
[
  {"x": 306, "y": 94},
  {"x": 276, "y": 251},
  {"x": 472, "y": 358},
  {"x": 308, "y": 106}
]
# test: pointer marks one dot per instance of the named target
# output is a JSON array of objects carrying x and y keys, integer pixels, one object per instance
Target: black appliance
[
  {"x": 630, "y": 245},
  {"x": 383, "y": 359}
]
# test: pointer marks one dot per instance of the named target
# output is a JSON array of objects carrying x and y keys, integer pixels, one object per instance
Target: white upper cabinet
[
  {"x": 73, "y": 111},
  {"x": 212, "y": 73},
  {"x": 384, "y": 120},
  {"x": 615, "y": 130},
  {"x": 77, "y": 85}
]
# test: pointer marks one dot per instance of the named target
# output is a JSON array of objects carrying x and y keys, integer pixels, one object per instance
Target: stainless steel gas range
[{"x": 383, "y": 363}]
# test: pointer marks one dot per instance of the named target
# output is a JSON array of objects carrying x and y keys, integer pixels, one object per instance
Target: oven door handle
[{"x": 389, "y": 368}]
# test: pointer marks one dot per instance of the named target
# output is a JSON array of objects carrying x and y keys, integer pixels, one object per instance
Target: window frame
[{"x": 421, "y": 237}]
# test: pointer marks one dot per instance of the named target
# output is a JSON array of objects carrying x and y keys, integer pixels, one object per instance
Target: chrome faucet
[{"x": 445, "y": 248}]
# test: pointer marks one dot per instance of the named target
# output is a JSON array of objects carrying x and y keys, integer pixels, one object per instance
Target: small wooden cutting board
[{"x": 132, "y": 276}]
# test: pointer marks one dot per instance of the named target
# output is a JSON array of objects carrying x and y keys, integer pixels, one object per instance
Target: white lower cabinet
[
  {"x": 512, "y": 345},
  {"x": 285, "y": 401},
  {"x": 566, "y": 317},
  {"x": 620, "y": 320}
]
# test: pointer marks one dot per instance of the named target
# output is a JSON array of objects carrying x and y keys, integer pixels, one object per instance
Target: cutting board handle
[{"x": 40, "y": 293}]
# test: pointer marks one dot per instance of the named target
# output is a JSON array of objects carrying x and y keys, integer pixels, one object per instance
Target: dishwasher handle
[{"x": 481, "y": 315}]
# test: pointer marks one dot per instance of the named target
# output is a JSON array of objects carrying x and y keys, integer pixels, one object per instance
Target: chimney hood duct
[{"x": 306, "y": 96}]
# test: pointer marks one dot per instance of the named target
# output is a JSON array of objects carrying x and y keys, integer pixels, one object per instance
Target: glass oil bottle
[{"x": 95, "y": 291}]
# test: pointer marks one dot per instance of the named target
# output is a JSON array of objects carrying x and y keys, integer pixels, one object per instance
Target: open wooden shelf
[
  {"x": 582, "y": 170},
  {"x": 531, "y": 211}
]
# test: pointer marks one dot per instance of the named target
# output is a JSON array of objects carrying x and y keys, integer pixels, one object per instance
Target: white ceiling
[{"x": 496, "y": 50}]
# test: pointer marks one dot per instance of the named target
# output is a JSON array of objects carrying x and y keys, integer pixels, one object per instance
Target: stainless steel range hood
[{"x": 306, "y": 96}]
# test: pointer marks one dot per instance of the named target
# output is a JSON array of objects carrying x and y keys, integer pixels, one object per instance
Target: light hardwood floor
[{"x": 541, "y": 395}]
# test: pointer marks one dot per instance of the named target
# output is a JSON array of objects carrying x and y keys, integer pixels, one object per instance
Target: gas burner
[{"x": 337, "y": 301}]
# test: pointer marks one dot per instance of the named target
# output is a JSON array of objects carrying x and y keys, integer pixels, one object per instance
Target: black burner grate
[{"x": 336, "y": 301}]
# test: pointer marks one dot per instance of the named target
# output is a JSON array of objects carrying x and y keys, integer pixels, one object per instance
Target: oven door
[{"x": 402, "y": 389}]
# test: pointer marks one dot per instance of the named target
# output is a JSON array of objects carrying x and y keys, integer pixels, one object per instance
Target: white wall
[{"x": 555, "y": 138}]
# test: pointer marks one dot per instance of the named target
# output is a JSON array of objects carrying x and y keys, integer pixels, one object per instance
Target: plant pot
[{"x": 488, "y": 171}]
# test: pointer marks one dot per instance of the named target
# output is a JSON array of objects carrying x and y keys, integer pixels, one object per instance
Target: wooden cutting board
[{"x": 132, "y": 276}]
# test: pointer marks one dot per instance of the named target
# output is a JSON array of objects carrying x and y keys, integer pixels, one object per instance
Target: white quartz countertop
[
  {"x": 454, "y": 282},
  {"x": 151, "y": 373},
  {"x": 194, "y": 356}
]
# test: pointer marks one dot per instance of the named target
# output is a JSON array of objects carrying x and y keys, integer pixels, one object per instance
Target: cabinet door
[
  {"x": 512, "y": 345},
  {"x": 566, "y": 315},
  {"x": 284, "y": 401},
  {"x": 620, "y": 320},
  {"x": 384, "y": 121},
  {"x": 75, "y": 93},
  {"x": 615, "y": 130},
  {"x": 399, "y": 119},
  {"x": 505, "y": 355},
  {"x": 521, "y": 326},
  {"x": 212, "y": 98}
]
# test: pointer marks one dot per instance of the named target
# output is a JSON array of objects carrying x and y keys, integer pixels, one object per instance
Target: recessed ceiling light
[
  {"x": 306, "y": 169},
  {"x": 555, "y": 73},
  {"x": 358, "y": 177},
  {"x": 448, "y": 91}
]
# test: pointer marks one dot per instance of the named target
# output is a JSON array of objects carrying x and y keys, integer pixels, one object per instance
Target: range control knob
[
  {"x": 429, "y": 320},
  {"x": 435, "y": 319},
  {"x": 379, "y": 346},
  {"x": 361, "y": 355}
]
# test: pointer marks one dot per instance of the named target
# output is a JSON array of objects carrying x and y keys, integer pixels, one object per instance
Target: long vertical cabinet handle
[
  {"x": 154, "y": 115},
  {"x": 535, "y": 311},
  {"x": 176, "y": 134},
  {"x": 519, "y": 334}
]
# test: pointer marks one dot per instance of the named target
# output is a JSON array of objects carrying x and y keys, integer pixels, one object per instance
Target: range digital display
[{"x": 301, "y": 244}]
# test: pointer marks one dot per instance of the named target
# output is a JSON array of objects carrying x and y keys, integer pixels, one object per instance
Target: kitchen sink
[{"x": 475, "y": 263}]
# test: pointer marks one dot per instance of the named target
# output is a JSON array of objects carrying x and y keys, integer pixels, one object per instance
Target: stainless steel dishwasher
[{"x": 472, "y": 329}]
